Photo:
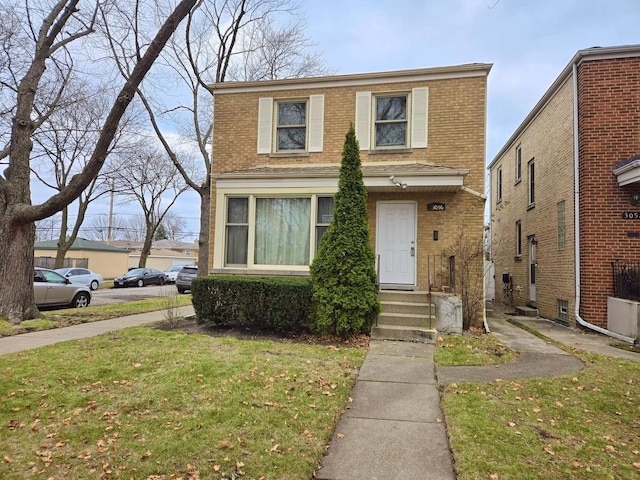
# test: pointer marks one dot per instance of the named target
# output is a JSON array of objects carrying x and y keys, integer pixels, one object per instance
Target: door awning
[
  {"x": 377, "y": 177},
  {"x": 628, "y": 171}
]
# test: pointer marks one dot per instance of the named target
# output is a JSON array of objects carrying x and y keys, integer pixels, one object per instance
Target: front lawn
[
  {"x": 148, "y": 404},
  {"x": 585, "y": 425}
]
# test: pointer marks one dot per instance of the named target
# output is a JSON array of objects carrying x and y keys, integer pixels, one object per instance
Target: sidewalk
[{"x": 28, "y": 341}]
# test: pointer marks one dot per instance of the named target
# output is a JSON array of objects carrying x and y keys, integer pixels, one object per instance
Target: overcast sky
[{"x": 528, "y": 42}]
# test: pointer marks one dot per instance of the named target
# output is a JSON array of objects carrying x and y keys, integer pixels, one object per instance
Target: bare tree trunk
[
  {"x": 205, "y": 223},
  {"x": 16, "y": 271},
  {"x": 17, "y": 214}
]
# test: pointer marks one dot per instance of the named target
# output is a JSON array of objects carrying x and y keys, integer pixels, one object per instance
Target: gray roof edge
[{"x": 593, "y": 53}]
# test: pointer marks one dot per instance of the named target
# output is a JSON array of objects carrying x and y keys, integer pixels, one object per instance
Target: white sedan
[
  {"x": 82, "y": 276},
  {"x": 172, "y": 273}
]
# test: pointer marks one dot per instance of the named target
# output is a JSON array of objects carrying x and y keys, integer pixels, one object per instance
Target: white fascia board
[{"x": 629, "y": 173}]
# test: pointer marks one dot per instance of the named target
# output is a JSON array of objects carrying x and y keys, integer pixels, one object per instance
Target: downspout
[{"x": 576, "y": 201}]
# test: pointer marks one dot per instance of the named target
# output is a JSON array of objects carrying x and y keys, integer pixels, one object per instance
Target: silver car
[
  {"x": 82, "y": 275},
  {"x": 52, "y": 289}
]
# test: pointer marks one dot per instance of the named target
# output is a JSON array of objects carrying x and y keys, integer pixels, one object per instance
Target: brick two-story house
[
  {"x": 277, "y": 147},
  {"x": 564, "y": 188}
]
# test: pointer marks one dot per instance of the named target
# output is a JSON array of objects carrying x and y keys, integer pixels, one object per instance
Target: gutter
[{"x": 576, "y": 201}]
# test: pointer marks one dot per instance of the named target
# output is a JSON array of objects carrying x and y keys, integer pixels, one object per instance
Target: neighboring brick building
[
  {"x": 277, "y": 147},
  {"x": 587, "y": 122}
]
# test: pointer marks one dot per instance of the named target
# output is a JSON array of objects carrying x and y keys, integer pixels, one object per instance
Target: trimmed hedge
[{"x": 278, "y": 304}]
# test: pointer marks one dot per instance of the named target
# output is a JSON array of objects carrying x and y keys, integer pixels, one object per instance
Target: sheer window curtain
[{"x": 283, "y": 227}]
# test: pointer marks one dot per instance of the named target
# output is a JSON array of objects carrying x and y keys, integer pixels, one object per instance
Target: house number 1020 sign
[{"x": 631, "y": 215}]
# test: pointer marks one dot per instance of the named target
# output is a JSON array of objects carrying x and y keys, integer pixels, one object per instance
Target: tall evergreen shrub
[{"x": 343, "y": 275}]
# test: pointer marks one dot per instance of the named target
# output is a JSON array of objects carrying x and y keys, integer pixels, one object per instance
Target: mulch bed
[{"x": 190, "y": 326}]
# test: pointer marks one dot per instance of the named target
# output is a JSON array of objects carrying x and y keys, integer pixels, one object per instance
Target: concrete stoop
[
  {"x": 405, "y": 316},
  {"x": 526, "y": 312}
]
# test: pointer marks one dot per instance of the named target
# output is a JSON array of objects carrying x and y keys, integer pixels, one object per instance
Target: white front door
[{"x": 396, "y": 243}]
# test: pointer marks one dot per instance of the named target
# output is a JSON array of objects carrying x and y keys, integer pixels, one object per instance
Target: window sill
[
  {"x": 382, "y": 151},
  {"x": 530, "y": 206},
  {"x": 251, "y": 271},
  {"x": 517, "y": 258},
  {"x": 288, "y": 154},
  {"x": 518, "y": 180}
]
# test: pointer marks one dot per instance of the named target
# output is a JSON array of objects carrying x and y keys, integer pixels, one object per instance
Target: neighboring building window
[
  {"x": 280, "y": 229},
  {"x": 499, "y": 185},
  {"x": 532, "y": 183},
  {"x": 237, "y": 230},
  {"x": 291, "y": 130},
  {"x": 562, "y": 229},
  {"x": 518, "y": 163},
  {"x": 563, "y": 311},
  {"x": 323, "y": 218},
  {"x": 518, "y": 239},
  {"x": 391, "y": 121}
]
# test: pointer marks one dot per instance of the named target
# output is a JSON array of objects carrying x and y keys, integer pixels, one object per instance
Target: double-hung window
[
  {"x": 499, "y": 185},
  {"x": 387, "y": 121},
  {"x": 291, "y": 129},
  {"x": 518, "y": 239},
  {"x": 290, "y": 126},
  {"x": 275, "y": 231},
  {"x": 518, "y": 163},
  {"x": 532, "y": 184},
  {"x": 237, "y": 230},
  {"x": 391, "y": 121}
]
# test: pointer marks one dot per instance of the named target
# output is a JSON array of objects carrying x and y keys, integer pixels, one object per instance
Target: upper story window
[
  {"x": 518, "y": 163},
  {"x": 391, "y": 121},
  {"x": 499, "y": 185},
  {"x": 290, "y": 126},
  {"x": 532, "y": 183},
  {"x": 388, "y": 121},
  {"x": 518, "y": 239},
  {"x": 291, "y": 130}
]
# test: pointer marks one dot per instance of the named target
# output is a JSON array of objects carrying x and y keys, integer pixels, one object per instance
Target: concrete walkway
[{"x": 394, "y": 426}]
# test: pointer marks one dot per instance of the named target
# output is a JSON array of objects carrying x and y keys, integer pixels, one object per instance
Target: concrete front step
[
  {"x": 526, "y": 312},
  {"x": 402, "y": 296},
  {"x": 406, "y": 307},
  {"x": 406, "y": 320},
  {"x": 406, "y": 334}
]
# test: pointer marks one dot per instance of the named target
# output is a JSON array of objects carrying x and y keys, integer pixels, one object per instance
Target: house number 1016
[
  {"x": 631, "y": 215},
  {"x": 435, "y": 207}
]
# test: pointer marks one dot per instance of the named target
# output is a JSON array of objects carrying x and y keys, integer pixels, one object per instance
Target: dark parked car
[
  {"x": 50, "y": 289},
  {"x": 139, "y": 277},
  {"x": 183, "y": 281}
]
